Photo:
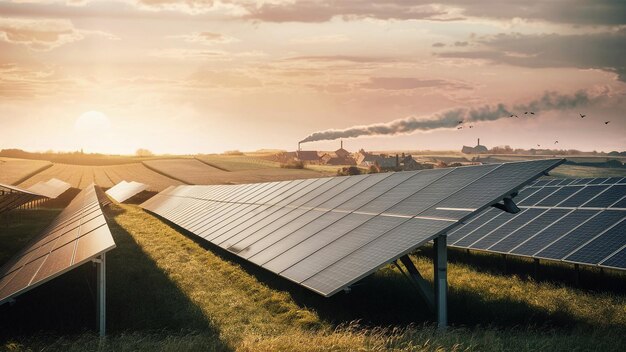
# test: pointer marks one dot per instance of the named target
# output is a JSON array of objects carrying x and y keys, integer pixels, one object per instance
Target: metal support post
[
  {"x": 423, "y": 287},
  {"x": 441, "y": 280},
  {"x": 101, "y": 294}
]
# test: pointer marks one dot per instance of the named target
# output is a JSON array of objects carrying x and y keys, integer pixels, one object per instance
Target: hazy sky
[{"x": 187, "y": 76}]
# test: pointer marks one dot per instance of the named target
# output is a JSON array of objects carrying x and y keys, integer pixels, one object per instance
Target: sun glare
[{"x": 92, "y": 121}]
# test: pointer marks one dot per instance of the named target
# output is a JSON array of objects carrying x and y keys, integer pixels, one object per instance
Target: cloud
[
  {"x": 450, "y": 119},
  {"x": 19, "y": 82},
  {"x": 205, "y": 38},
  {"x": 43, "y": 35},
  {"x": 194, "y": 7},
  {"x": 438, "y": 45},
  {"x": 202, "y": 54},
  {"x": 461, "y": 43},
  {"x": 575, "y": 12},
  {"x": 579, "y": 12},
  {"x": 342, "y": 58},
  {"x": 323, "y": 11},
  {"x": 405, "y": 83},
  {"x": 322, "y": 39},
  {"x": 40, "y": 35},
  {"x": 605, "y": 51},
  {"x": 223, "y": 79}
]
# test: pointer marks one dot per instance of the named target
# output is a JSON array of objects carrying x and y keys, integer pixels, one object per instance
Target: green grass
[{"x": 168, "y": 292}]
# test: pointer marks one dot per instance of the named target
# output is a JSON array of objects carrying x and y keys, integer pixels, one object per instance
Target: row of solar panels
[
  {"x": 581, "y": 221},
  {"x": 327, "y": 233},
  {"x": 12, "y": 197},
  {"x": 77, "y": 235}
]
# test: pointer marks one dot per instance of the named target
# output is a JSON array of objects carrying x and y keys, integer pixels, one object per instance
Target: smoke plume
[{"x": 450, "y": 119}]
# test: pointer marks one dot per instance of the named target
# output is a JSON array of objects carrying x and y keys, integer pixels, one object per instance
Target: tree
[{"x": 141, "y": 152}]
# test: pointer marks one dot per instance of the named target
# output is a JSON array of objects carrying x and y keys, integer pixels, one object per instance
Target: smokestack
[
  {"x": 478, "y": 141},
  {"x": 299, "y": 146},
  {"x": 341, "y": 144}
]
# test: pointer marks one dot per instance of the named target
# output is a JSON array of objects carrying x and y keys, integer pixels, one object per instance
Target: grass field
[{"x": 168, "y": 292}]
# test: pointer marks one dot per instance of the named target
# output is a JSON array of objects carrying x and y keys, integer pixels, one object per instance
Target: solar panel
[
  {"x": 77, "y": 235},
  {"x": 578, "y": 220},
  {"x": 123, "y": 191},
  {"x": 326, "y": 234},
  {"x": 12, "y": 197},
  {"x": 51, "y": 188}
]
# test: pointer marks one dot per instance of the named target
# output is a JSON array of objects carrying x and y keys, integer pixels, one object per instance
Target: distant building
[
  {"x": 407, "y": 163},
  {"x": 339, "y": 157},
  {"x": 342, "y": 153},
  {"x": 387, "y": 162},
  {"x": 478, "y": 149},
  {"x": 308, "y": 156}
]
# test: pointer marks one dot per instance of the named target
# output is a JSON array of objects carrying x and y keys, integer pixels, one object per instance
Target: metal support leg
[
  {"x": 441, "y": 281},
  {"x": 423, "y": 287},
  {"x": 101, "y": 294}
]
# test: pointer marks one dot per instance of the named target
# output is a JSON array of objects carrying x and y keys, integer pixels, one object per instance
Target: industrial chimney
[
  {"x": 478, "y": 141},
  {"x": 299, "y": 146},
  {"x": 341, "y": 144}
]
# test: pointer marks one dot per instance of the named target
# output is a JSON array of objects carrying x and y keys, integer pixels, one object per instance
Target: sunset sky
[{"x": 201, "y": 76}]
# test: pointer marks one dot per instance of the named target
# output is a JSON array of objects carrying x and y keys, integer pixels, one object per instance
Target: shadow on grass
[
  {"x": 140, "y": 298},
  {"x": 388, "y": 299},
  {"x": 563, "y": 274}
]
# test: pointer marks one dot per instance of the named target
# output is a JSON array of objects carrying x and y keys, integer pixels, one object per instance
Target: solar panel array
[
  {"x": 12, "y": 197},
  {"x": 51, "y": 188},
  {"x": 125, "y": 190},
  {"x": 328, "y": 233},
  {"x": 580, "y": 221},
  {"x": 77, "y": 235}
]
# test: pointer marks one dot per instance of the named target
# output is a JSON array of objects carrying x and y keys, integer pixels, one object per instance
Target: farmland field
[
  {"x": 80, "y": 176},
  {"x": 14, "y": 171},
  {"x": 193, "y": 171},
  {"x": 238, "y": 162}
]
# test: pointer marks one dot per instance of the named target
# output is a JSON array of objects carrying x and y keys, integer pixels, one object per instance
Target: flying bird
[
  {"x": 582, "y": 116},
  {"x": 539, "y": 145},
  {"x": 532, "y": 113},
  {"x": 458, "y": 128},
  {"x": 526, "y": 113},
  {"x": 460, "y": 122},
  {"x": 556, "y": 142},
  {"x": 606, "y": 122},
  {"x": 471, "y": 126}
]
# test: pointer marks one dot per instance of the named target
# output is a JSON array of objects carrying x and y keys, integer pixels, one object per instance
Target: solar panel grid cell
[
  {"x": 527, "y": 230},
  {"x": 568, "y": 243},
  {"x": 583, "y": 196},
  {"x": 602, "y": 246},
  {"x": 517, "y": 220}
]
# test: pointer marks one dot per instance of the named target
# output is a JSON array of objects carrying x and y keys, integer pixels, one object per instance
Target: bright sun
[{"x": 92, "y": 121}]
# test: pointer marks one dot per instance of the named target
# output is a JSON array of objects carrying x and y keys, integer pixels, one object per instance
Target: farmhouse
[{"x": 478, "y": 149}]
